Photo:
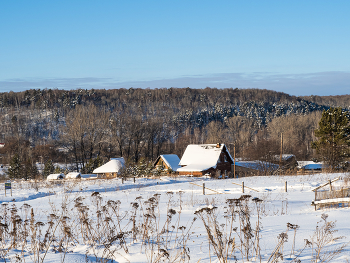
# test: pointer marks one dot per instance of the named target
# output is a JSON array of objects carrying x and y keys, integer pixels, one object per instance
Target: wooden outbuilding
[{"x": 168, "y": 162}]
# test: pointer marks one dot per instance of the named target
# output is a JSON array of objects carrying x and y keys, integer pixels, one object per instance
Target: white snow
[{"x": 278, "y": 209}]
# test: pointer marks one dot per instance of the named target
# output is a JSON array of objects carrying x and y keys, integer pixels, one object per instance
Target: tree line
[{"x": 139, "y": 124}]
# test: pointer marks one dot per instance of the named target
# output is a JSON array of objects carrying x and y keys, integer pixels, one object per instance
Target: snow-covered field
[{"x": 154, "y": 220}]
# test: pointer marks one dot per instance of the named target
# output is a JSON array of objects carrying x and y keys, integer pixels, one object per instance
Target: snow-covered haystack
[
  {"x": 52, "y": 177},
  {"x": 114, "y": 166},
  {"x": 73, "y": 175}
]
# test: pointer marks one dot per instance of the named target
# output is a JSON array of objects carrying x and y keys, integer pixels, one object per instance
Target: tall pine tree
[
  {"x": 49, "y": 168},
  {"x": 15, "y": 169},
  {"x": 333, "y": 137}
]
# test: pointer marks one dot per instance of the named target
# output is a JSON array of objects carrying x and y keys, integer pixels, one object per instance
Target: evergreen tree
[
  {"x": 92, "y": 165},
  {"x": 333, "y": 137},
  {"x": 49, "y": 168},
  {"x": 15, "y": 169},
  {"x": 58, "y": 170},
  {"x": 30, "y": 171}
]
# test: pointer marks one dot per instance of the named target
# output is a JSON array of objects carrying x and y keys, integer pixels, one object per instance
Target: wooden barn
[
  {"x": 202, "y": 159},
  {"x": 167, "y": 162}
]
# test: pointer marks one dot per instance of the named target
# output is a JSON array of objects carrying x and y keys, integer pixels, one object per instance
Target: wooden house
[
  {"x": 202, "y": 159},
  {"x": 167, "y": 162}
]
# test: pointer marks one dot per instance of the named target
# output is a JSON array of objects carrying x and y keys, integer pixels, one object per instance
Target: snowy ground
[{"x": 185, "y": 196}]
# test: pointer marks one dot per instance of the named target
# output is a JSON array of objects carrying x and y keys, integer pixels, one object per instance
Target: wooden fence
[{"x": 328, "y": 195}]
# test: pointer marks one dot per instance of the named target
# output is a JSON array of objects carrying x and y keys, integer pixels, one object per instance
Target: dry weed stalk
[{"x": 322, "y": 238}]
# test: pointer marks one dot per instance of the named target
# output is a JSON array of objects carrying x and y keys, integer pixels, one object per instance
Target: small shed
[
  {"x": 167, "y": 162},
  {"x": 310, "y": 166},
  {"x": 73, "y": 175},
  {"x": 53, "y": 177},
  {"x": 112, "y": 168},
  {"x": 201, "y": 159}
]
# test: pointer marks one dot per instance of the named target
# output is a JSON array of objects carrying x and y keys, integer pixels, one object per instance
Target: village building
[
  {"x": 202, "y": 159},
  {"x": 167, "y": 162},
  {"x": 111, "y": 169}
]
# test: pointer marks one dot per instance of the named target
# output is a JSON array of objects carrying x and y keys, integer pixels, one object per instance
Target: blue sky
[{"x": 297, "y": 47}]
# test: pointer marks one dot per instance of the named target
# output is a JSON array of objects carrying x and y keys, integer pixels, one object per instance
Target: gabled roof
[
  {"x": 201, "y": 157},
  {"x": 171, "y": 160},
  {"x": 113, "y": 166}
]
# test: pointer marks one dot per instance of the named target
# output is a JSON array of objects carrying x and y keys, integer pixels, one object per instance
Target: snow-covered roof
[
  {"x": 171, "y": 160},
  {"x": 113, "y": 166},
  {"x": 55, "y": 176},
  {"x": 201, "y": 157},
  {"x": 257, "y": 165},
  {"x": 310, "y": 165},
  {"x": 73, "y": 175}
]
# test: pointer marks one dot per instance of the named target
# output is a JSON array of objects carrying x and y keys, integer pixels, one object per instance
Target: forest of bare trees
[{"x": 139, "y": 124}]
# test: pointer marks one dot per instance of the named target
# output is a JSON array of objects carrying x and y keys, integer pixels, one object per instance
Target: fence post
[
  {"x": 243, "y": 187},
  {"x": 134, "y": 179},
  {"x": 330, "y": 185},
  {"x": 285, "y": 187},
  {"x": 315, "y": 199},
  {"x": 122, "y": 180},
  {"x": 203, "y": 188}
]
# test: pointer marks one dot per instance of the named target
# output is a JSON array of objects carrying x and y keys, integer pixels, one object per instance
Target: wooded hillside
[{"x": 80, "y": 125}]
